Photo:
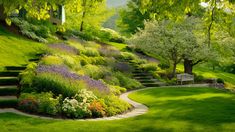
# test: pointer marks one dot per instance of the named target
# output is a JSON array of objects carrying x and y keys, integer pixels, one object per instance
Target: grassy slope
[
  {"x": 183, "y": 109},
  {"x": 209, "y": 73},
  {"x": 119, "y": 46},
  {"x": 15, "y": 50}
]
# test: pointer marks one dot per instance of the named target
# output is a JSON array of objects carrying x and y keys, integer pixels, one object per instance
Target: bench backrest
[{"x": 185, "y": 76}]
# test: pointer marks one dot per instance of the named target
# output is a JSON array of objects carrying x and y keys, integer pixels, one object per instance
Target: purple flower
[
  {"x": 64, "y": 47},
  {"x": 64, "y": 71}
]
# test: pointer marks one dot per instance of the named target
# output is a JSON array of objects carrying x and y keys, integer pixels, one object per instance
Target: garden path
[{"x": 138, "y": 108}]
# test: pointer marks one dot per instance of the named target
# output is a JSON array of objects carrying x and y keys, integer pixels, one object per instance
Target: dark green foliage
[
  {"x": 220, "y": 80},
  {"x": 199, "y": 78},
  {"x": 230, "y": 68},
  {"x": 164, "y": 65}
]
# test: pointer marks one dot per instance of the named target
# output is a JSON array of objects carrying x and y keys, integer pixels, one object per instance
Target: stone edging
[{"x": 139, "y": 109}]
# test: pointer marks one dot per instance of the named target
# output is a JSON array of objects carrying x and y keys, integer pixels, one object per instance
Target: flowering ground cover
[{"x": 184, "y": 109}]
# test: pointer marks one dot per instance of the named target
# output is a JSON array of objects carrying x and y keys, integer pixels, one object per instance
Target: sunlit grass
[
  {"x": 207, "y": 72},
  {"x": 119, "y": 46},
  {"x": 170, "y": 109},
  {"x": 16, "y": 50}
]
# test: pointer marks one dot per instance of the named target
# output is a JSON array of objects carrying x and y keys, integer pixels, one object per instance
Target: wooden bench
[{"x": 185, "y": 77}]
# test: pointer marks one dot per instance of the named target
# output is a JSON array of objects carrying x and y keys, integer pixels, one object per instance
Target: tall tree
[
  {"x": 137, "y": 11},
  {"x": 89, "y": 7},
  {"x": 174, "y": 42}
]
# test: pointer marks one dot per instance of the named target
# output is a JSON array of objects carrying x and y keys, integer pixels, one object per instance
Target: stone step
[
  {"x": 8, "y": 81},
  {"x": 8, "y": 101},
  {"x": 138, "y": 71},
  {"x": 15, "y": 68},
  {"x": 151, "y": 84},
  {"x": 146, "y": 81},
  {"x": 8, "y": 86},
  {"x": 143, "y": 77},
  {"x": 34, "y": 59},
  {"x": 8, "y": 91},
  {"x": 9, "y": 73}
]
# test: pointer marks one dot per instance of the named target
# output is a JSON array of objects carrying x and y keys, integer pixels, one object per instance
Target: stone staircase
[
  {"x": 9, "y": 84},
  {"x": 145, "y": 78}
]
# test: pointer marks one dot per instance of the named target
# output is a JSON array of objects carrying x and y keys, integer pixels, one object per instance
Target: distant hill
[{"x": 116, "y": 3}]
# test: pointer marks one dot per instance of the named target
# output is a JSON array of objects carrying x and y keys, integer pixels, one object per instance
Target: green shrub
[
  {"x": 199, "y": 78},
  {"x": 149, "y": 67},
  {"x": 52, "y": 60},
  {"x": 164, "y": 65},
  {"x": 113, "y": 105},
  {"x": 91, "y": 52},
  {"x": 84, "y": 60},
  {"x": 27, "y": 76},
  {"x": 70, "y": 61},
  {"x": 48, "y": 104},
  {"x": 127, "y": 82},
  {"x": 128, "y": 55},
  {"x": 112, "y": 80},
  {"x": 117, "y": 90},
  {"x": 35, "y": 32},
  {"x": 45, "y": 82},
  {"x": 109, "y": 52},
  {"x": 95, "y": 72},
  {"x": 39, "y": 103},
  {"x": 219, "y": 80}
]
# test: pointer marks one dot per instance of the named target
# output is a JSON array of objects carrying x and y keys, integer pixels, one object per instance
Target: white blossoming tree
[{"x": 174, "y": 42}]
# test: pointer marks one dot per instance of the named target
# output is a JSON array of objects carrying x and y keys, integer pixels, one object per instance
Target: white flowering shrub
[
  {"x": 78, "y": 107},
  {"x": 85, "y": 96}
]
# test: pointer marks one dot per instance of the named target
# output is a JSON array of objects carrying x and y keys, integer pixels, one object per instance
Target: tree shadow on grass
[{"x": 205, "y": 107}]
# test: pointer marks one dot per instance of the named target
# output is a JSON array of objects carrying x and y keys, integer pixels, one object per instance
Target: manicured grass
[
  {"x": 119, "y": 46},
  {"x": 171, "y": 109},
  {"x": 208, "y": 72},
  {"x": 16, "y": 50}
]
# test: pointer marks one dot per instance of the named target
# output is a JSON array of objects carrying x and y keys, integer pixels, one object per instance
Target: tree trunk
[
  {"x": 188, "y": 66},
  {"x": 82, "y": 23},
  {"x": 174, "y": 70}
]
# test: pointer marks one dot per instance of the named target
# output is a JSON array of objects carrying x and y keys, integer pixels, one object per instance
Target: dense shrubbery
[
  {"x": 104, "y": 34},
  {"x": 40, "y": 103},
  {"x": 149, "y": 67},
  {"x": 69, "y": 71},
  {"x": 38, "y": 32}
]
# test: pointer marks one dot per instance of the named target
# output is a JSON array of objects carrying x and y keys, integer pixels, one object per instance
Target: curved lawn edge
[{"x": 138, "y": 109}]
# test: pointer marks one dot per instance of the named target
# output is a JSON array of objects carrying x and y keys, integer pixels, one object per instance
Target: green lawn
[
  {"x": 119, "y": 46},
  {"x": 207, "y": 72},
  {"x": 182, "y": 109},
  {"x": 15, "y": 50}
]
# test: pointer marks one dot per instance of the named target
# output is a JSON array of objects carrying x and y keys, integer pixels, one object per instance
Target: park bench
[{"x": 185, "y": 77}]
